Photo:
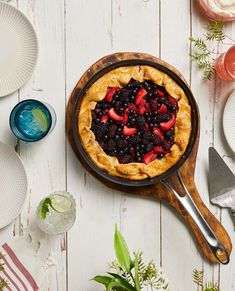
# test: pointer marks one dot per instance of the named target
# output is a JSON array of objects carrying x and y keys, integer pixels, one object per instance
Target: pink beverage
[{"x": 225, "y": 65}]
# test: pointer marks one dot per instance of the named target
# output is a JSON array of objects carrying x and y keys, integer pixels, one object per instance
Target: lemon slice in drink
[
  {"x": 60, "y": 203},
  {"x": 41, "y": 119}
]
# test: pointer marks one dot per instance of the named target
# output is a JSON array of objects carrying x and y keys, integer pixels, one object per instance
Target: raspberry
[
  {"x": 124, "y": 159},
  {"x": 156, "y": 140},
  {"x": 153, "y": 104},
  {"x": 134, "y": 139},
  {"x": 122, "y": 143}
]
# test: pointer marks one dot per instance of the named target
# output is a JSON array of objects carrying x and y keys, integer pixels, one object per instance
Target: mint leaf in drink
[{"x": 45, "y": 207}]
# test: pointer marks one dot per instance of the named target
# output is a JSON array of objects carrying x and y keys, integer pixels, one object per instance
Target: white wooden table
[{"x": 72, "y": 35}]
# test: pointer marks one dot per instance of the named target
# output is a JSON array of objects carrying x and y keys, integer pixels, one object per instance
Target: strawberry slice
[
  {"x": 172, "y": 100},
  {"x": 113, "y": 115},
  {"x": 159, "y": 150},
  {"x": 110, "y": 93},
  {"x": 146, "y": 126},
  {"x": 162, "y": 109},
  {"x": 147, "y": 108},
  {"x": 158, "y": 132},
  {"x": 141, "y": 109},
  {"x": 165, "y": 126},
  {"x": 104, "y": 118},
  {"x": 140, "y": 95},
  {"x": 129, "y": 130},
  {"x": 160, "y": 93},
  {"x": 125, "y": 116},
  {"x": 149, "y": 157}
]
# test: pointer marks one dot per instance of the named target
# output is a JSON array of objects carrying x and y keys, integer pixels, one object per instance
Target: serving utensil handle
[{"x": 214, "y": 244}]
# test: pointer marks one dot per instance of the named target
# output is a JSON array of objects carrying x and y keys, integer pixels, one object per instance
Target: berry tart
[{"x": 135, "y": 122}]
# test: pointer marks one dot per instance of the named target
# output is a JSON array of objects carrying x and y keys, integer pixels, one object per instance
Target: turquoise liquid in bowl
[{"x": 30, "y": 120}]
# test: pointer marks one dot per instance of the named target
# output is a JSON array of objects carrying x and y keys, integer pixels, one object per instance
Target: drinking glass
[
  {"x": 225, "y": 65},
  {"x": 56, "y": 213},
  {"x": 31, "y": 120}
]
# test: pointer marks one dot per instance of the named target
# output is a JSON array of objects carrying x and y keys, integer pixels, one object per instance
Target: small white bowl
[{"x": 229, "y": 121}]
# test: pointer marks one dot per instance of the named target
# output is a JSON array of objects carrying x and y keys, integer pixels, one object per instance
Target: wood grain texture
[
  {"x": 73, "y": 34},
  {"x": 157, "y": 191}
]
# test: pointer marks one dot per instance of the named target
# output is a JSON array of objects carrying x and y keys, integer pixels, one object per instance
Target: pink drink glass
[{"x": 225, "y": 65}]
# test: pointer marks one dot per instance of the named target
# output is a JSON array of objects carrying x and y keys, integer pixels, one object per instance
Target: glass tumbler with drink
[
  {"x": 56, "y": 213},
  {"x": 31, "y": 120}
]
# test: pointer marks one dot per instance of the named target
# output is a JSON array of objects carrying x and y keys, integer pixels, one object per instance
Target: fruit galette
[{"x": 135, "y": 122}]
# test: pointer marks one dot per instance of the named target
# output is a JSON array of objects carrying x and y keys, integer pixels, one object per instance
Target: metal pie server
[{"x": 221, "y": 183}]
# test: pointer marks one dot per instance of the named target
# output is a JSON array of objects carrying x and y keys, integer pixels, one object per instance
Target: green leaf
[
  {"x": 122, "y": 281},
  {"x": 198, "y": 277},
  {"x": 45, "y": 207},
  {"x": 121, "y": 250},
  {"x": 105, "y": 280},
  {"x": 116, "y": 284},
  {"x": 137, "y": 279}
]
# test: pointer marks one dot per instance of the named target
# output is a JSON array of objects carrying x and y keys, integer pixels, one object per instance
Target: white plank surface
[{"x": 73, "y": 34}]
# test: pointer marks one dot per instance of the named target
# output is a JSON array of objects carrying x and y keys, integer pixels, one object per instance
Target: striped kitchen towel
[{"x": 21, "y": 267}]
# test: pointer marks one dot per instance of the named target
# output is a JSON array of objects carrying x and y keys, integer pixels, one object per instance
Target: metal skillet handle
[{"x": 216, "y": 247}]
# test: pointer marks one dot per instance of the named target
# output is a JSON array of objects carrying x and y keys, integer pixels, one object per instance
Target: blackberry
[
  {"x": 99, "y": 134},
  {"x": 132, "y": 120},
  {"x": 93, "y": 126},
  {"x": 140, "y": 122},
  {"x": 153, "y": 104},
  {"x": 112, "y": 130},
  {"x": 111, "y": 145},
  {"x": 163, "y": 117},
  {"x": 102, "y": 144},
  {"x": 166, "y": 145},
  {"x": 148, "y": 147},
  {"x": 160, "y": 156},
  {"x": 122, "y": 143},
  {"x": 156, "y": 140},
  {"x": 93, "y": 114},
  {"x": 146, "y": 136},
  {"x": 124, "y": 159},
  {"x": 134, "y": 139},
  {"x": 170, "y": 135}
]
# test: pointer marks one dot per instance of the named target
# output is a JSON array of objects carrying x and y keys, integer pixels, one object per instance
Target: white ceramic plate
[
  {"x": 18, "y": 49},
  {"x": 229, "y": 121},
  {"x": 13, "y": 185}
]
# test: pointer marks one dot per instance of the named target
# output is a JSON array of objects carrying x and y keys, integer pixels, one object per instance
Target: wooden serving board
[{"x": 157, "y": 191}]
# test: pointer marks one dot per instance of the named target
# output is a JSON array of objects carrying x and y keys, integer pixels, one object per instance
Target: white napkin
[{"x": 26, "y": 262}]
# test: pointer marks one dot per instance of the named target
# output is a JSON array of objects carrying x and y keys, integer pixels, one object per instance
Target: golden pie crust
[{"x": 120, "y": 77}]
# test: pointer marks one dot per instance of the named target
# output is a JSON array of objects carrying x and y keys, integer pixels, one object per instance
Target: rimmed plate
[
  {"x": 18, "y": 49},
  {"x": 229, "y": 121},
  {"x": 13, "y": 185}
]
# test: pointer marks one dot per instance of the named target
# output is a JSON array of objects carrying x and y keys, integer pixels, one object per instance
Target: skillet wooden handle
[{"x": 215, "y": 225}]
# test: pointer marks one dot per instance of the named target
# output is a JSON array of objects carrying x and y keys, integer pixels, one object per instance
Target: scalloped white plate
[
  {"x": 13, "y": 185},
  {"x": 18, "y": 49},
  {"x": 229, "y": 121}
]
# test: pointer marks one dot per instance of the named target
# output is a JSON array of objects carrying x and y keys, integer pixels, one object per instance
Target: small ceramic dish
[{"x": 229, "y": 121}]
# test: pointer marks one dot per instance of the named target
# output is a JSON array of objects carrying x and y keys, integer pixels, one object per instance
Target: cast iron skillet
[{"x": 214, "y": 244}]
